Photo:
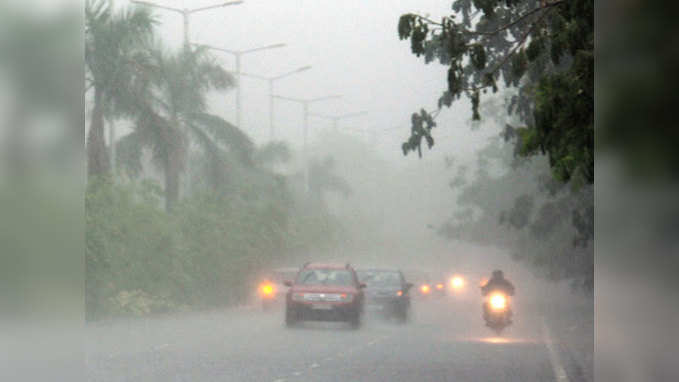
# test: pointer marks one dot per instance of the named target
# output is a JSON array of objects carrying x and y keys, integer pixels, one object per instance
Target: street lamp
[
  {"x": 238, "y": 54},
  {"x": 305, "y": 103},
  {"x": 271, "y": 80},
  {"x": 186, "y": 12}
]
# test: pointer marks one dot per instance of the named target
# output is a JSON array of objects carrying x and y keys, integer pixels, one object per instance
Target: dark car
[
  {"x": 387, "y": 292},
  {"x": 324, "y": 292}
]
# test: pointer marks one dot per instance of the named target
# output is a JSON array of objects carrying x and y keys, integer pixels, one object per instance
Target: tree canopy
[
  {"x": 114, "y": 56},
  {"x": 543, "y": 48}
]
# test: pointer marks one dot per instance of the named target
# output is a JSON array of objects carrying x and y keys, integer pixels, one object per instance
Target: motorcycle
[{"x": 497, "y": 312}]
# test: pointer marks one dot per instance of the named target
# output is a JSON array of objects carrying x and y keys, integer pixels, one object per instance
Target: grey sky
[{"x": 354, "y": 50}]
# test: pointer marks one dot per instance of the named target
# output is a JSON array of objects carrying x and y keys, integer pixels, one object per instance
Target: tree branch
[
  {"x": 521, "y": 18},
  {"x": 521, "y": 41},
  {"x": 428, "y": 20}
]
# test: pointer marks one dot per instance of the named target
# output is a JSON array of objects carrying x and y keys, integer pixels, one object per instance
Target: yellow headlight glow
[
  {"x": 498, "y": 301},
  {"x": 267, "y": 289},
  {"x": 457, "y": 282}
]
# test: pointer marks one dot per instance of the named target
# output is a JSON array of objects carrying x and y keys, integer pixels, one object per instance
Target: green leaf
[
  {"x": 477, "y": 55},
  {"x": 534, "y": 49},
  {"x": 405, "y": 25},
  {"x": 519, "y": 65}
]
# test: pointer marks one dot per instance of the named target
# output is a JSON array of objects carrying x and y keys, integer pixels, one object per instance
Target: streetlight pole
[
  {"x": 270, "y": 81},
  {"x": 186, "y": 13},
  {"x": 305, "y": 103},
  {"x": 237, "y": 54}
]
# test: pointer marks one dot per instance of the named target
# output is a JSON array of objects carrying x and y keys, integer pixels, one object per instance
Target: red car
[{"x": 325, "y": 292}]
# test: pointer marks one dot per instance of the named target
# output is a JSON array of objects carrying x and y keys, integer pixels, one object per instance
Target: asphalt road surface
[{"x": 445, "y": 340}]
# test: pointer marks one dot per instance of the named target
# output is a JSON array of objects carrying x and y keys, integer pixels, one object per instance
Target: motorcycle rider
[{"x": 498, "y": 282}]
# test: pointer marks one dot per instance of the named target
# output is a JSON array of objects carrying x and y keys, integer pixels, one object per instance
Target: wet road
[{"x": 444, "y": 341}]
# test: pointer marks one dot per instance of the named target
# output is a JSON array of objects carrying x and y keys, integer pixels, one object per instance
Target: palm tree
[
  {"x": 114, "y": 58},
  {"x": 323, "y": 178},
  {"x": 173, "y": 117}
]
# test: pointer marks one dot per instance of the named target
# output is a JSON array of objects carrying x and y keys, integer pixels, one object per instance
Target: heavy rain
[{"x": 307, "y": 190}]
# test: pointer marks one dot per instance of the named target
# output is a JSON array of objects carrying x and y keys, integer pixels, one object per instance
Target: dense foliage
[
  {"x": 545, "y": 49},
  {"x": 204, "y": 253},
  {"x": 542, "y": 54},
  {"x": 222, "y": 215},
  {"x": 543, "y": 223}
]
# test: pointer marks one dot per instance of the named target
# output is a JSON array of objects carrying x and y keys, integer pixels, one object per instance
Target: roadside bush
[{"x": 207, "y": 252}]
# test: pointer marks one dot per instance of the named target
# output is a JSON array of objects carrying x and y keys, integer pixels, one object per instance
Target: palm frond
[
  {"x": 153, "y": 133},
  {"x": 272, "y": 153},
  {"x": 114, "y": 43},
  {"x": 226, "y": 134},
  {"x": 216, "y": 163}
]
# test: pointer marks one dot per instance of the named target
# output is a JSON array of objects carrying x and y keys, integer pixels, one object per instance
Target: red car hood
[{"x": 323, "y": 289}]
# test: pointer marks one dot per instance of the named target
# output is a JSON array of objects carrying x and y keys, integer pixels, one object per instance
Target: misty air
[{"x": 349, "y": 191}]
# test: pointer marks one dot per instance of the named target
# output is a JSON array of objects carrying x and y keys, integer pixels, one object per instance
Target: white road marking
[
  {"x": 557, "y": 366},
  {"x": 279, "y": 380},
  {"x": 297, "y": 373},
  {"x": 314, "y": 365}
]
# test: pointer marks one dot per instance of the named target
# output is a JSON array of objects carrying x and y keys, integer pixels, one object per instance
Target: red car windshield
[
  {"x": 338, "y": 277},
  {"x": 280, "y": 276}
]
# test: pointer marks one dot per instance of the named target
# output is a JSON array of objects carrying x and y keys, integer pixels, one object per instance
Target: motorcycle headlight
[
  {"x": 498, "y": 302},
  {"x": 298, "y": 297}
]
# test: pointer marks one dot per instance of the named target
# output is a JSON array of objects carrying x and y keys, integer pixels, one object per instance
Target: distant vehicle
[
  {"x": 457, "y": 282},
  {"x": 387, "y": 292},
  {"x": 325, "y": 292},
  {"x": 439, "y": 288},
  {"x": 428, "y": 285},
  {"x": 457, "y": 285},
  {"x": 420, "y": 281},
  {"x": 272, "y": 290},
  {"x": 424, "y": 289},
  {"x": 439, "y": 283}
]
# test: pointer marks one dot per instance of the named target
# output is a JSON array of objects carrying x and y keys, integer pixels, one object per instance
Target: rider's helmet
[{"x": 497, "y": 274}]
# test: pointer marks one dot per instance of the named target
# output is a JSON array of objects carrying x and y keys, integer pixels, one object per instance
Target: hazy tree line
[
  {"x": 221, "y": 212},
  {"x": 542, "y": 54}
]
